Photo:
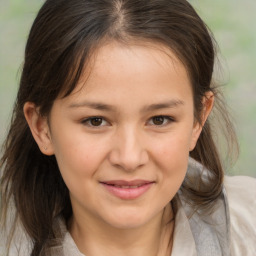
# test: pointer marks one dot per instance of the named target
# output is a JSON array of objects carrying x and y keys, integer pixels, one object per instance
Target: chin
[
  {"x": 126, "y": 224},
  {"x": 129, "y": 220}
]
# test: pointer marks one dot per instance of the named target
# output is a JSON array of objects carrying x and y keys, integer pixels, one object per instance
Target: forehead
[
  {"x": 124, "y": 63},
  {"x": 134, "y": 72}
]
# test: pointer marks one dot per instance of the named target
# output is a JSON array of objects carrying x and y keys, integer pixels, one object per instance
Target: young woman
[{"x": 111, "y": 149}]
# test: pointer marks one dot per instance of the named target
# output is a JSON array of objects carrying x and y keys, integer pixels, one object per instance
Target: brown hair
[{"x": 62, "y": 38}]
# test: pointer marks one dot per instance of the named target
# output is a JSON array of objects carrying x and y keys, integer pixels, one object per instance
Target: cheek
[
  {"x": 174, "y": 148},
  {"x": 78, "y": 159},
  {"x": 171, "y": 157},
  {"x": 78, "y": 166}
]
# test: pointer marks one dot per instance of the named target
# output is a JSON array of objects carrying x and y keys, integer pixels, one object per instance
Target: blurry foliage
[
  {"x": 16, "y": 17},
  {"x": 233, "y": 24}
]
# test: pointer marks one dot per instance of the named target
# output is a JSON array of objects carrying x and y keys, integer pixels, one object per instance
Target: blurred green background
[{"x": 233, "y": 23}]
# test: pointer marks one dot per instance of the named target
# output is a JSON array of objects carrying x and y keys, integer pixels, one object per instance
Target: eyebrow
[
  {"x": 167, "y": 104},
  {"x": 174, "y": 103},
  {"x": 94, "y": 105}
]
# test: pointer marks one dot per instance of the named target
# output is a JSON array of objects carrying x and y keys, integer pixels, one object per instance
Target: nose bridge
[
  {"x": 129, "y": 151},
  {"x": 130, "y": 143}
]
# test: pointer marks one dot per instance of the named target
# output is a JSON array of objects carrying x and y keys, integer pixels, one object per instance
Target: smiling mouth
[
  {"x": 120, "y": 186},
  {"x": 127, "y": 190}
]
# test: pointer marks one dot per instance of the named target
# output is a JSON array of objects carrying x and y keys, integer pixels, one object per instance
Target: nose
[{"x": 128, "y": 151}]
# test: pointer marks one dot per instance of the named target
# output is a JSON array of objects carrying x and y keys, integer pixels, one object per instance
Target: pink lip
[{"x": 127, "y": 190}]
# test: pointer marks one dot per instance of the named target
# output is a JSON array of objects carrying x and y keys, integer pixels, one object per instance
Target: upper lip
[{"x": 127, "y": 183}]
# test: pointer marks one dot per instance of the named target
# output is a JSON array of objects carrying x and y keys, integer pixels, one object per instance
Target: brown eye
[
  {"x": 96, "y": 121},
  {"x": 158, "y": 120}
]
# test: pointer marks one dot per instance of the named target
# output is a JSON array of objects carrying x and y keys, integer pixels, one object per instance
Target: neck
[{"x": 153, "y": 238}]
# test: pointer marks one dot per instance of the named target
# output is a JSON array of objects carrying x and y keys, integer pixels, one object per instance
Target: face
[{"x": 122, "y": 138}]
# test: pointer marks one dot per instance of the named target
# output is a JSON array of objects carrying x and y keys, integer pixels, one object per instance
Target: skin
[{"x": 128, "y": 87}]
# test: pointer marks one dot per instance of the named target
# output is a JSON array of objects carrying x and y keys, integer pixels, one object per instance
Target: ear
[
  {"x": 39, "y": 128},
  {"x": 207, "y": 102}
]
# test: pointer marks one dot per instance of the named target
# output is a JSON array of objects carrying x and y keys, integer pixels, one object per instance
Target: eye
[
  {"x": 95, "y": 121},
  {"x": 160, "y": 120}
]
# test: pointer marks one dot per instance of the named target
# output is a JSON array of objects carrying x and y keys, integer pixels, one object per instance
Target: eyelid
[
  {"x": 169, "y": 119},
  {"x": 85, "y": 121}
]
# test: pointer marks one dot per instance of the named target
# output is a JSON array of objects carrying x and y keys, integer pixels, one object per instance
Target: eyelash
[
  {"x": 167, "y": 120},
  {"x": 88, "y": 121}
]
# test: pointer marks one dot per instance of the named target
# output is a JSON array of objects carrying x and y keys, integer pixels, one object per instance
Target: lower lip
[{"x": 128, "y": 193}]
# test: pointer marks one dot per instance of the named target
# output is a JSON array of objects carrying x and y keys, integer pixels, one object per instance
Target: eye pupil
[
  {"x": 158, "y": 120},
  {"x": 96, "y": 121}
]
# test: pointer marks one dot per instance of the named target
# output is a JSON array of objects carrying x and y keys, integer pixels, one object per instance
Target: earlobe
[
  {"x": 207, "y": 102},
  {"x": 39, "y": 128}
]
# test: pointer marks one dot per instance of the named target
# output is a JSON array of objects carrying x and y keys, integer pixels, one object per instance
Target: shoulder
[
  {"x": 240, "y": 182},
  {"x": 241, "y": 193},
  {"x": 241, "y": 189},
  {"x": 20, "y": 244}
]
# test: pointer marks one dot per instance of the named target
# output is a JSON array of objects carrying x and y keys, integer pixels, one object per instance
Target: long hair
[{"x": 63, "y": 37}]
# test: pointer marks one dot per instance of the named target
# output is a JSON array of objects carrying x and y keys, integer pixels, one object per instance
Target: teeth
[{"x": 118, "y": 186}]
